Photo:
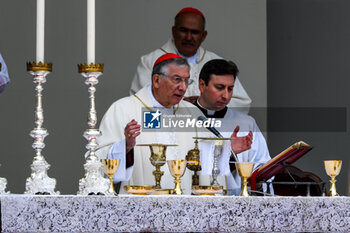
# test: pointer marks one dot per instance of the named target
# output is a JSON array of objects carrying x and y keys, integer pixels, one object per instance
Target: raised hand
[
  {"x": 131, "y": 131},
  {"x": 240, "y": 144}
]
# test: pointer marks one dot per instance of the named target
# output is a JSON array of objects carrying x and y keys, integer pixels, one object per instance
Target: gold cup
[
  {"x": 111, "y": 167},
  {"x": 244, "y": 171},
  {"x": 333, "y": 168},
  {"x": 177, "y": 170},
  {"x": 158, "y": 159}
]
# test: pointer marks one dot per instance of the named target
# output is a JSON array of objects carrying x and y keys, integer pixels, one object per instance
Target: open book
[{"x": 277, "y": 163}]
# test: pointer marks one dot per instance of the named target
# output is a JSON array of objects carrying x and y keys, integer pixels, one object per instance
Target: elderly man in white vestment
[
  {"x": 121, "y": 129},
  {"x": 216, "y": 84},
  {"x": 188, "y": 33}
]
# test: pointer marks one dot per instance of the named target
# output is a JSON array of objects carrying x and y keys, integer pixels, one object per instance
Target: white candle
[
  {"x": 90, "y": 31},
  {"x": 40, "y": 30}
]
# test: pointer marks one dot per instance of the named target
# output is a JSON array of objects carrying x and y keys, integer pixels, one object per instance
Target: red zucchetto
[
  {"x": 190, "y": 9},
  {"x": 166, "y": 56}
]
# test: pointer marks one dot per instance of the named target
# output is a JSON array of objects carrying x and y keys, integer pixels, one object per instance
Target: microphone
[
  {"x": 217, "y": 134},
  {"x": 211, "y": 129}
]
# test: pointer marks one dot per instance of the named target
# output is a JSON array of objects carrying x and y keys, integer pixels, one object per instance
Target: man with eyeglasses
[
  {"x": 121, "y": 125},
  {"x": 188, "y": 33}
]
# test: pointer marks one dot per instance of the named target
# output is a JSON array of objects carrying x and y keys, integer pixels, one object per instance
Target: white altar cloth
[{"x": 126, "y": 213}]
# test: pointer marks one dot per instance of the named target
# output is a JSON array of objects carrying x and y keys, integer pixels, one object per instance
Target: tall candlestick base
[
  {"x": 3, "y": 183},
  {"x": 93, "y": 181},
  {"x": 39, "y": 182}
]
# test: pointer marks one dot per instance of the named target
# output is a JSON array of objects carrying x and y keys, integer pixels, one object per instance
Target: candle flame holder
[
  {"x": 93, "y": 181},
  {"x": 39, "y": 182}
]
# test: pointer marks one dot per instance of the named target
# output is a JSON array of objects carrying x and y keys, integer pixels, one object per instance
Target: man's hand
[
  {"x": 191, "y": 99},
  {"x": 240, "y": 144},
  {"x": 131, "y": 131}
]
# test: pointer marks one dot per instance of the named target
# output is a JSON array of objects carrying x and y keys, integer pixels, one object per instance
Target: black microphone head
[
  {"x": 211, "y": 129},
  {"x": 202, "y": 118}
]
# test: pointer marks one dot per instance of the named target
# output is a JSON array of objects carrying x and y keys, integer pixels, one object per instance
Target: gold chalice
[
  {"x": 333, "y": 168},
  {"x": 177, "y": 170},
  {"x": 157, "y": 159},
  {"x": 244, "y": 171},
  {"x": 111, "y": 167}
]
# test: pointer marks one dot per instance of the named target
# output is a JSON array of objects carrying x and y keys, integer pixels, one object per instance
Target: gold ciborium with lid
[
  {"x": 158, "y": 159},
  {"x": 193, "y": 163}
]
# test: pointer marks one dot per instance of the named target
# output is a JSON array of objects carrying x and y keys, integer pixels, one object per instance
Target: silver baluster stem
[{"x": 216, "y": 169}]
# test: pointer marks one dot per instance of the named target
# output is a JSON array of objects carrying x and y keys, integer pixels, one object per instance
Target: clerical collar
[
  {"x": 190, "y": 60},
  {"x": 156, "y": 104},
  {"x": 211, "y": 113}
]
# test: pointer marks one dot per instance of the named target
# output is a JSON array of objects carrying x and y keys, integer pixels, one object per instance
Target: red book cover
[{"x": 276, "y": 164}]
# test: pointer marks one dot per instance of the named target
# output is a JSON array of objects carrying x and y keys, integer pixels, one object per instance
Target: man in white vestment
[
  {"x": 188, "y": 33},
  {"x": 121, "y": 129},
  {"x": 216, "y": 85}
]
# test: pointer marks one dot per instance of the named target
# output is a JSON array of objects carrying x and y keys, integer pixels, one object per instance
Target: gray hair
[{"x": 162, "y": 67}]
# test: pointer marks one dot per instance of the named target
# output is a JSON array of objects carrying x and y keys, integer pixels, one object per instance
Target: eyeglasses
[{"x": 177, "y": 80}]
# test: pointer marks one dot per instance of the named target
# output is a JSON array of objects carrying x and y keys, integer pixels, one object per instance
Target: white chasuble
[{"x": 112, "y": 127}]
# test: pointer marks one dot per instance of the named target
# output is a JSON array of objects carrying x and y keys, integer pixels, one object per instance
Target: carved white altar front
[{"x": 28, "y": 213}]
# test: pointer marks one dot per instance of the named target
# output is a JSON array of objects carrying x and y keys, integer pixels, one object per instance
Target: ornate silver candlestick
[
  {"x": 39, "y": 182},
  {"x": 93, "y": 181},
  {"x": 3, "y": 181}
]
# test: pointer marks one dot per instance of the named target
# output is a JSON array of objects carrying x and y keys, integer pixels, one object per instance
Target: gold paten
[
  {"x": 193, "y": 163},
  {"x": 139, "y": 190},
  {"x": 85, "y": 68},
  {"x": 207, "y": 190},
  {"x": 212, "y": 138},
  {"x": 177, "y": 170},
  {"x": 33, "y": 66},
  {"x": 111, "y": 167},
  {"x": 333, "y": 168},
  {"x": 157, "y": 159},
  {"x": 163, "y": 192},
  {"x": 244, "y": 171}
]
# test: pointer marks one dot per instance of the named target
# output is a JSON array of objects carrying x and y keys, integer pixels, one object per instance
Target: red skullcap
[
  {"x": 165, "y": 57},
  {"x": 192, "y": 10}
]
